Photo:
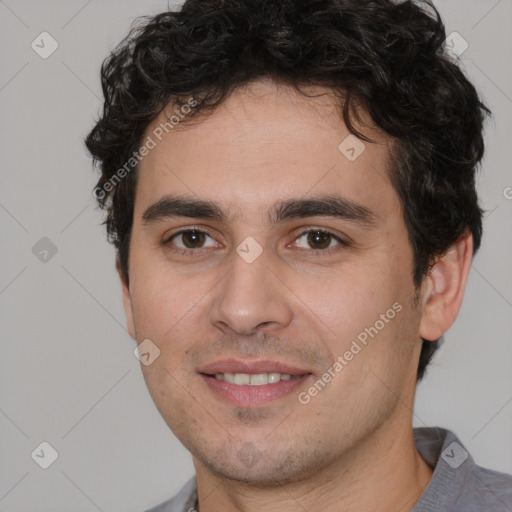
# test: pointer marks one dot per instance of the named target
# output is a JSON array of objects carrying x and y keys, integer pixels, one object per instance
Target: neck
[{"x": 383, "y": 472}]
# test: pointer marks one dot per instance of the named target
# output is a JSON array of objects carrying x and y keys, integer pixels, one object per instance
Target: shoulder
[
  {"x": 458, "y": 483},
  {"x": 492, "y": 488}
]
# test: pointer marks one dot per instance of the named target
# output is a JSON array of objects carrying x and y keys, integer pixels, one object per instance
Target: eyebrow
[
  {"x": 326, "y": 206},
  {"x": 329, "y": 206}
]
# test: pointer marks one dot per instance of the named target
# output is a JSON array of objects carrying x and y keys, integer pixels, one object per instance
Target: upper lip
[{"x": 250, "y": 367}]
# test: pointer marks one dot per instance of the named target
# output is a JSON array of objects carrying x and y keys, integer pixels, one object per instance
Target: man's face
[{"x": 268, "y": 158}]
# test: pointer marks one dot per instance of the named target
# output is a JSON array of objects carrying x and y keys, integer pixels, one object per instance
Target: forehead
[{"x": 266, "y": 142}]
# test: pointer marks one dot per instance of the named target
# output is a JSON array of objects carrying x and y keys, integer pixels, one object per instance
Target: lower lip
[{"x": 253, "y": 396}]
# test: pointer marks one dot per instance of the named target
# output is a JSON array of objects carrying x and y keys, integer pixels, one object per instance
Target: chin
[{"x": 250, "y": 466}]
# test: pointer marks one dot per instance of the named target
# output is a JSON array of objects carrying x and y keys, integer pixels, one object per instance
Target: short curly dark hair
[{"x": 384, "y": 57}]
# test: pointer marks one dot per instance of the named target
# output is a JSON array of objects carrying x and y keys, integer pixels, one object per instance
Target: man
[{"x": 290, "y": 186}]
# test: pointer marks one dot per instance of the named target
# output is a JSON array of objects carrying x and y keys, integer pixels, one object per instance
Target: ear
[
  {"x": 443, "y": 288},
  {"x": 127, "y": 299}
]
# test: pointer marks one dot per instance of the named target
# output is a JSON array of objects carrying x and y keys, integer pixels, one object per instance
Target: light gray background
[{"x": 68, "y": 375}]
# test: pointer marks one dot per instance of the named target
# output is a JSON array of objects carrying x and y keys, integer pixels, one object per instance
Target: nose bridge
[{"x": 251, "y": 294}]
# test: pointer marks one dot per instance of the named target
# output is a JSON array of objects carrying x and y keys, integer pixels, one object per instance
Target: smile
[{"x": 257, "y": 379}]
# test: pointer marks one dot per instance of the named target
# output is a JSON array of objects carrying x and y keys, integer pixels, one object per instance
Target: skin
[{"x": 351, "y": 447}]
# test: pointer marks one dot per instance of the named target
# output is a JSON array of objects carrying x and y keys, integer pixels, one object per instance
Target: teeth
[
  {"x": 256, "y": 379},
  {"x": 259, "y": 379},
  {"x": 274, "y": 377},
  {"x": 241, "y": 379}
]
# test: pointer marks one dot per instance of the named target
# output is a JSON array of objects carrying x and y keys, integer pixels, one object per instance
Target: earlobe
[
  {"x": 443, "y": 288},
  {"x": 127, "y": 299}
]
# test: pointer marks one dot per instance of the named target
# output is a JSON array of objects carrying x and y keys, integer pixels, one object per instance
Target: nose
[{"x": 252, "y": 296}]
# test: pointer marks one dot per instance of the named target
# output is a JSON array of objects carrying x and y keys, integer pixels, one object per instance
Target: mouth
[
  {"x": 252, "y": 384},
  {"x": 254, "y": 379}
]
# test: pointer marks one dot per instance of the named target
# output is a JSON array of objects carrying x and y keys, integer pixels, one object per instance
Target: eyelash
[
  {"x": 200, "y": 250},
  {"x": 184, "y": 252}
]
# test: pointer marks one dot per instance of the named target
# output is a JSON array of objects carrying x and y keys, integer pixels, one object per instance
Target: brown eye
[
  {"x": 317, "y": 239},
  {"x": 192, "y": 239}
]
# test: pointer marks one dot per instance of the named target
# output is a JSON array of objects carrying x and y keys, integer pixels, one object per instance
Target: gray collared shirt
[{"x": 457, "y": 485}]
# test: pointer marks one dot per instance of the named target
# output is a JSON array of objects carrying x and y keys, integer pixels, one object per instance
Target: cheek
[
  {"x": 160, "y": 298},
  {"x": 347, "y": 300},
  {"x": 153, "y": 308},
  {"x": 363, "y": 315},
  {"x": 171, "y": 311}
]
